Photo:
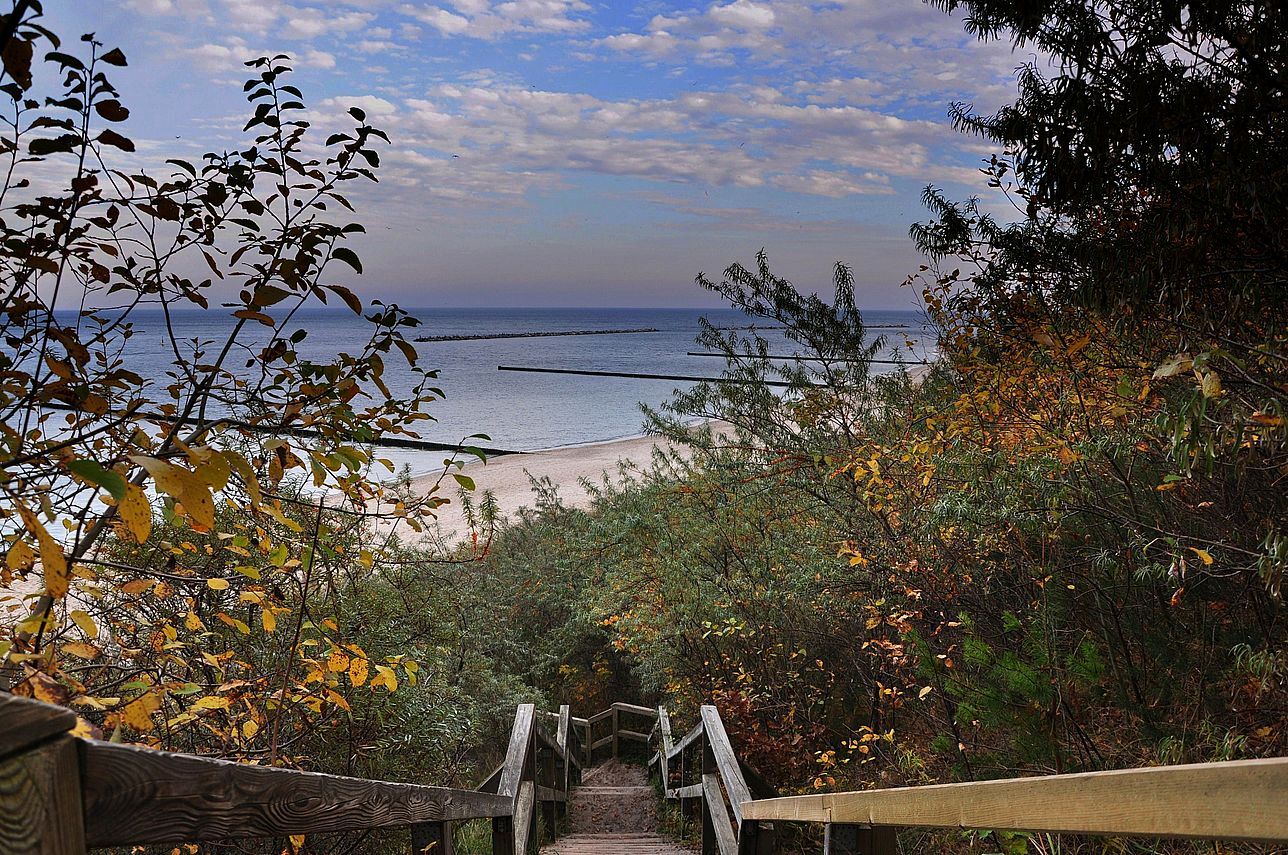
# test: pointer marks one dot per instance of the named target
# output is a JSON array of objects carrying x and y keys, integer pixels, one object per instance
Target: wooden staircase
[{"x": 614, "y": 811}]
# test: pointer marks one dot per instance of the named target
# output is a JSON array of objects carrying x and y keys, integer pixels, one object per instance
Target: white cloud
[
  {"x": 744, "y": 14},
  {"x": 486, "y": 19}
]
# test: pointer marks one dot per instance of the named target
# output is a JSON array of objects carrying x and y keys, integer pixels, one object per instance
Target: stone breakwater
[{"x": 486, "y": 336}]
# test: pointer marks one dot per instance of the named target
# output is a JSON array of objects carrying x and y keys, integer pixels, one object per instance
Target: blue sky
[{"x": 604, "y": 152}]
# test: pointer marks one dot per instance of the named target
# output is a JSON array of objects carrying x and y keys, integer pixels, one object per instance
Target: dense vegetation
[{"x": 1061, "y": 548}]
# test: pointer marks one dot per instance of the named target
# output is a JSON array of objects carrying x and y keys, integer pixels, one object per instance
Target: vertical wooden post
[
  {"x": 756, "y": 838},
  {"x": 40, "y": 789},
  {"x": 709, "y": 844},
  {"x": 684, "y": 819},
  {"x": 550, "y": 808},
  {"x": 503, "y": 835},
  {"x": 845, "y": 839},
  {"x": 615, "y": 737},
  {"x": 431, "y": 838}
]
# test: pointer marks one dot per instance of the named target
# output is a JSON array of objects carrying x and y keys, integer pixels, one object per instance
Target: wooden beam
[
  {"x": 25, "y": 723},
  {"x": 718, "y": 815},
  {"x": 40, "y": 798},
  {"x": 635, "y": 709},
  {"x": 686, "y": 741},
  {"x": 136, "y": 795},
  {"x": 725, "y": 760},
  {"x": 524, "y": 817},
  {"x": 518, "y": 753},
  {"x": 633, "y": 734},
  {"x": 1235, "y": 800}
]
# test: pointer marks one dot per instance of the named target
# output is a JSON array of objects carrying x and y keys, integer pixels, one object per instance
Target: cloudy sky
[{"x": 583, "y": 152}]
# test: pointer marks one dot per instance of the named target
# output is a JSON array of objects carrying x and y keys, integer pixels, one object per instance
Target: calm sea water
[{"x": 525, "y": 411}]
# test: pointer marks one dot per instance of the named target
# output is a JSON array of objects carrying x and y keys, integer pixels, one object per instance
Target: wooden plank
[
  {"x": 524, "y": 815},
  {"x": 503, "y": 835},
  {"x": 686, "y": 741},
  {"x": 719, "y": 816},
  {"x": 135, "y": 795},
  {"x": 616, "y": 725},
  {"x": 726, "y": 761},
  {"x": 842, "y": 839},
  {"x": 40, "y": 800},
  {"x": 600, "y": 743},
  {"x": 692, "y": 791},
  {"x": 550, "y": 794},
  {"x": 599, "y": 716},
  {"x": 518, "y": 752},
  {"x": 561, "y": 732},
  {"x": 1235, "y": 800},
  {"x": 633, "y": 734},
  {"x": 635, "y": 709},
  {"x": 24, "y": 723},
  {"x": 664, "y": 723}
]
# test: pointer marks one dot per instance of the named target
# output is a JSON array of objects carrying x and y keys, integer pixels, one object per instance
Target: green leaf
[
  {"x": 466, "y": 482},
  {"x": 88, "y": 470}
]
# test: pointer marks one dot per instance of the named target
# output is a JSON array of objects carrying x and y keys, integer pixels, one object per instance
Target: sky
[{"x": 580, "y": 153}]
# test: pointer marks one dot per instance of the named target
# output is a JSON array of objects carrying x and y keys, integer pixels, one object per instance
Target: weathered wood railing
[
  {"x": 62, "y": 794},
  {"x": 1235, "y": 800}
]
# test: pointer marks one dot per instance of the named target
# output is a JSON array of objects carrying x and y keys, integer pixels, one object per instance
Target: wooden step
[{"x": 606, "y": 844}]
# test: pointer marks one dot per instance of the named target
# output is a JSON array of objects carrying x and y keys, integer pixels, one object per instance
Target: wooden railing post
[
  {"x": 431, "y": 838},
  {"x": 844, "y": 839},
  {"x": 616, "y": 740},
  {"x": 708, "y": 767},
  {"x": 40, "y": 789},
  {"x": 756, "y": 838},
  {"x": 550, "y": 807},
  {"x": 503, "y": 835}
]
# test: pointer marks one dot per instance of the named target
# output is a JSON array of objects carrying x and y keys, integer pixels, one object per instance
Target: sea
[{"x": 525, "y": 411}]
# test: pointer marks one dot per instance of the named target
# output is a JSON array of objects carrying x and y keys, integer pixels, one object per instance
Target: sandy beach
[{"x": 509, "y": 478}]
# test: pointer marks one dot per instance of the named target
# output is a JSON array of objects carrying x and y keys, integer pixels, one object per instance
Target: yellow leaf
[
  {"x": 217, "y": 584},
  {"x": 190, "y": 490},
  {"x": 211, "y": 702},
  {"x": 135, "y": 512},
  {"x": 268, "y": 619},
  {"x": 137, "y": 714},
  {"x": 925, "y": 691},
  {"x": 82, "y": 650},
  {"x": 337, "y": 662},
  {"x": 385, "y": 677},
  {"x": 297, "y": 840},
  {"x": 249, "y": 728},
  {"x": 192, "y": 622},
  {"x": 358, "y": 672},
  {"x": 1203, "y": 554},
  {"x": 20, "y": 556},
  {"x": 52, "y": 561},
  {"x": 85, "y": 622}
]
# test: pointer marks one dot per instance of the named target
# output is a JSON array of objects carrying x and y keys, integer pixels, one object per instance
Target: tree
[{"x": 182, "y": 532}]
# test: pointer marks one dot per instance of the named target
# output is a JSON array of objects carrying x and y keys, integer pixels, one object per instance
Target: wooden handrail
[
  {"x": 134, "y": 795},
  {"x": 1243, "y": 800},
  {"x": 61, "y": 794},
  {"x": 1233, "y": 800}
]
